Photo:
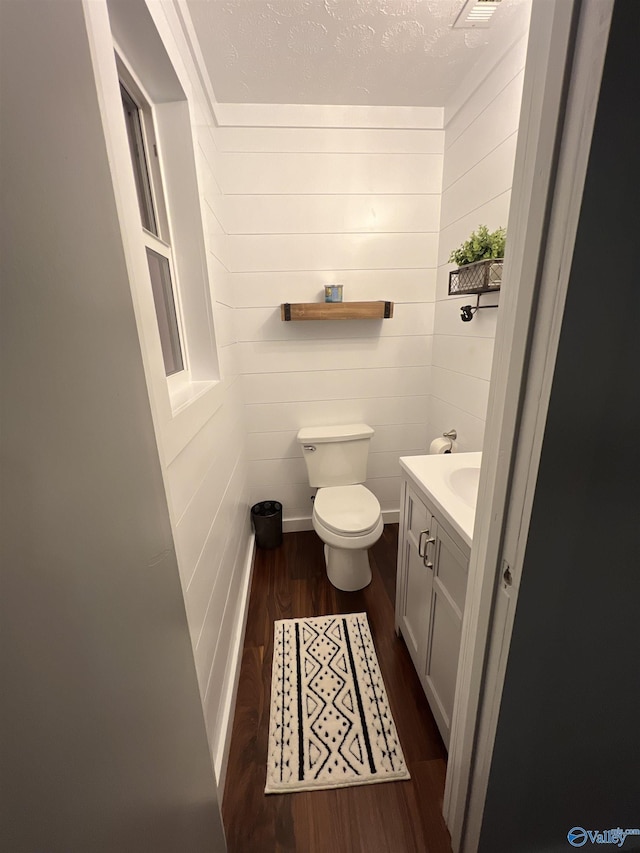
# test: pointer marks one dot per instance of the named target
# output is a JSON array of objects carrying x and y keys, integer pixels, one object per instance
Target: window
[
  {"x": 143, "y": 148},
  {"x": 165, "y": 311},
  {"x": 156, "y": 157}
]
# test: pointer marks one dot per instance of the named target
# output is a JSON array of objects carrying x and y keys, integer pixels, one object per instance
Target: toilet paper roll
[{"x": 442, "y": 445}]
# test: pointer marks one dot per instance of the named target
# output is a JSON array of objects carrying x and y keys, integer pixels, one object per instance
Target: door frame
[{"x": 563, "y": 72}]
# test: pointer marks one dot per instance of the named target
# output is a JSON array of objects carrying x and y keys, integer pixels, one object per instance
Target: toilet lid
[{"x": 347, "y": 510}]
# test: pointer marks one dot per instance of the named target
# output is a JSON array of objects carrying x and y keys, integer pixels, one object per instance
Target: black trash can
[{"x": 267, "y": 522}]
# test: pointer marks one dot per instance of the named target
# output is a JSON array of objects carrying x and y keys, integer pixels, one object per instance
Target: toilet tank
[{"x": 336, "y": 455}]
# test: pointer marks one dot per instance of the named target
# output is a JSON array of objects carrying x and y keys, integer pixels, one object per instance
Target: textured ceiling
[{"x": 373, "y": 52}]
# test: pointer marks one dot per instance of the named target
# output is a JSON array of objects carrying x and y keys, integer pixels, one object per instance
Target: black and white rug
[{"x": 330, "y": 724}]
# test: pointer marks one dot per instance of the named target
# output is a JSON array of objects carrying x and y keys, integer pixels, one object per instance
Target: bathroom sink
[
  {"x": 464, "y": 482},
  {"x": 450, "y": 483}
]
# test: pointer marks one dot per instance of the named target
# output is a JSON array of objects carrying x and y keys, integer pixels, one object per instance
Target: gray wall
[
  {"x": 568, "y": 740},
  {"x": 104, "y": 746}
]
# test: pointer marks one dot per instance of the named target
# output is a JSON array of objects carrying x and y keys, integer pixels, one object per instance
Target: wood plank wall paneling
[
  {"x": 302, "y": 252},
  {"x": 294, "y": 387},
  {"x": 301, "y": 208},
  {"x": 331, "y": 140},
  {"x": 308, "y": 173},
  {"x": 323, "y": 214},
  {"x": 207, "y": 485},
  {"x": 283, "y": 444},
  {"x": 268, "y": 289},
  {"x": 479, "y": 155}
]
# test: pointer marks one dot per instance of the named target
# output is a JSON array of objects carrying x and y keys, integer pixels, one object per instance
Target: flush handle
[{"x": 310, "y": 447}]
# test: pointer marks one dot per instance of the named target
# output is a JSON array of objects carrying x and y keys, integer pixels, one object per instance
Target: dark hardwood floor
[{"x": 399, "y": 817}]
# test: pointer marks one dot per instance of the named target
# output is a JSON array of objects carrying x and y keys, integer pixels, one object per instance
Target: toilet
[{"x": 346, "y": 515}]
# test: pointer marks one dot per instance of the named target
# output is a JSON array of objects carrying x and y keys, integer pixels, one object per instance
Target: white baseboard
[
  {"x": 291, "y": 525},
  {"x": 221, "y": 758}
]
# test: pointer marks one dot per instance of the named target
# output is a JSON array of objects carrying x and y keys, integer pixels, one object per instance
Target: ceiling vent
[{"x": 476, "y": 13}]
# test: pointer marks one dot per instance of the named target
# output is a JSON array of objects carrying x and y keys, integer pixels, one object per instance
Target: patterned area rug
[{"x": 330, "y": 724}]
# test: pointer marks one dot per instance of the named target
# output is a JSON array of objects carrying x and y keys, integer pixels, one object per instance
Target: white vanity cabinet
[{"x": 433, "y": 562}]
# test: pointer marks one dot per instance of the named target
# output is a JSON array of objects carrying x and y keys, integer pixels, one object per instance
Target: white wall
[
  {"x": 201, "y": 442},
  {"x": 480, "y": 143},
  {"x": 301, "y": 208},
  {"x": 207, "y": 487},
  {"x": 104, "y": 744},
  {"x": 377, "y": 210}
]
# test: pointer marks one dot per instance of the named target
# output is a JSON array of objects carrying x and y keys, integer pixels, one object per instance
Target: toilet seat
[{"x": 347, "y": 510}]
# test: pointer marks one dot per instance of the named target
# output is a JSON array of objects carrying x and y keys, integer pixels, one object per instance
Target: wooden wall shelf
[{"x": 336, "y": 310}]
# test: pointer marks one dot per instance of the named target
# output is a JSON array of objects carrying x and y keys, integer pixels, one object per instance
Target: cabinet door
[
  {"x": 448, "y": 589},
  {"x": 416, "y": 578}
]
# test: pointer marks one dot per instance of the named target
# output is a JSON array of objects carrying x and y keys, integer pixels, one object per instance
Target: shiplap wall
[
  {"x": 202, "y": 445},
  {"x": 301, "y": 208},
  {"x": 480, "y": 144},
  {"x": 207, "y": 485}
]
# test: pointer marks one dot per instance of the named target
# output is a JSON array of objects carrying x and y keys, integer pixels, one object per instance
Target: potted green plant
[{"x": 479, "y": 261}]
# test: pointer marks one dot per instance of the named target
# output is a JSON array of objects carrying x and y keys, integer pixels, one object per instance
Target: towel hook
[{"x": 467, "y": 311}]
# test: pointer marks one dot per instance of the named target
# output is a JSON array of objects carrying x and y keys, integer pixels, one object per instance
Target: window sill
[
  {"x": 188, "y": 393},
  {"x": 192, "y": 404}
]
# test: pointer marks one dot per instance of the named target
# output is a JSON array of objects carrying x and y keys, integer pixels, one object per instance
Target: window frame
[
  {"x": 162, "y": 242},
  {"x": 141, "y": 169}
]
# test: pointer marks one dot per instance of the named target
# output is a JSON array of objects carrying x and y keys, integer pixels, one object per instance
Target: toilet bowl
[
  {"x": 346, "y": 515},
  {"x": 349, "y": 521}
]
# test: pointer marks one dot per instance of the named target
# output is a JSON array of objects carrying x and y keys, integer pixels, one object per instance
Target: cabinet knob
[{"x": 429, "y": 564}]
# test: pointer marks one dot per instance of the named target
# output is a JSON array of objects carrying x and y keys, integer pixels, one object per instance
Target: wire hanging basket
[{"x": 479, "y": 277}]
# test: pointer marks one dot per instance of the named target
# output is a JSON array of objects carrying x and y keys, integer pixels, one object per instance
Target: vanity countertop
[{"x": 450, "y": 482}]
